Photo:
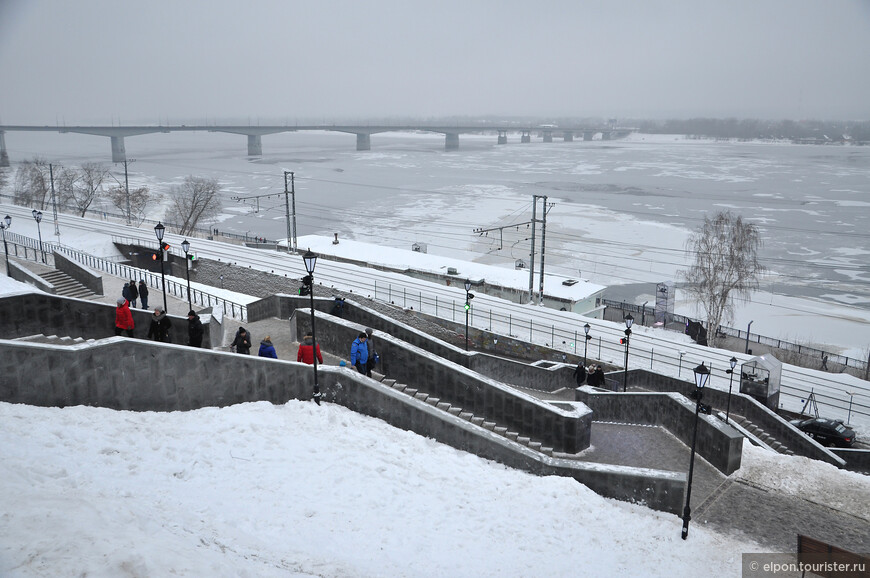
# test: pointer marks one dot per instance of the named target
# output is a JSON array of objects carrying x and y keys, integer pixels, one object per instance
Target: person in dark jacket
[
  {"x": 194, "y": 329},
  {"x": 143, "y": 294},
  {"x": 134, "y": 293},
  {"x": 123, "y": 318},
  {"x": 370, "y": 345},
  {"x": 160, "y": 325},
  {"x": 305, "y": 353},
  {"x": 242, "y": 342},
  {"x": 125, "y": 292},
  {"x": 580, "y": 374},
  {"x": 267, "y": 349},
  {"x": 359, "y": 353}
]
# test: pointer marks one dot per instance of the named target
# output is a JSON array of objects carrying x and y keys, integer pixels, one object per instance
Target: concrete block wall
[
  {"x": 79, "y": 272},
  {"x": 563, "y": 430},
  {"x": 35, "y": 313},
  {"x": 744, "y": 405},
  {"x": 718, "y": 443},
  {"x": 25, "y": 275},
  {"x": 126, "y": 374}
]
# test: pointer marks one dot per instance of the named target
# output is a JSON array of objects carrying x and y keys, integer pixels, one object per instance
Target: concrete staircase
[
  {"x": 466, "y": 415},
  {"x": 66, "y": 285},
  {"x": 54, "y": 339},
  {"x": 755, "y": 434}
]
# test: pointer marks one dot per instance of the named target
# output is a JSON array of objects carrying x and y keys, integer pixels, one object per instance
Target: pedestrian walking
[
  {"x": 373, "y": 354},
  {"x": 143, "y": 294},
  {"x": 194, "y": 329},
  {"x": 123, "y": 318},
  {"x": 242, "y": 342},
  {"x": 305, "y": 353},
  {"x": 267, "y": 349},
  {"x": 134, "y": 293},
  {"x": 580, "y": 374},
  {"x": 160, "y": 325},
  {"x": 359, "y": 353},
  {"x": 125, "y": 292}
]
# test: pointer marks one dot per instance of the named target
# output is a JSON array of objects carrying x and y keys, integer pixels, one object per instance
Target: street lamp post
[
  {"x": 159, "y": 230},
  {"x": 701, "y": 376},
  {"x": 468, "y": 298},
  {"x": 628, "y": 321},
  {"x": 586, "y": 329},
  {"x": 310, "y": 260},
  {"x": 851, "y": 395},
  {"x": 38, "y": 216},
  {"x": 733, "y": 363},
  {"x": 680, "y": 366},
  {"x": 5, "y": 224},
  {"x": 746, "y": 349},
  {"x": 186, "y": 246}
]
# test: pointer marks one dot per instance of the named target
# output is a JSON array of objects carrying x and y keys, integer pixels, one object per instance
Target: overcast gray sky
[{"x": 101, "y": 61}]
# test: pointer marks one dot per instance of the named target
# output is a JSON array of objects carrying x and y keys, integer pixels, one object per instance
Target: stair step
[
  {"x": 410, "y": 391},
  {"x": 490, "y": 425},
  {"x": 422, "y": 396},
  {"x": 443, "y": 405},
  {"x": 535, "y": 445},
  {"x": 546, "y": 450},
  {"x": 500, "y": 430},
  {"x": 432, "y": 400},
  {"x": 524, "y": 440},
  {"x": 399, "y": 386},
  {"x": 477, "y": 420},
  {"x": 511, "y": 435},
  {"x": 454, "y": 410},
  {"x": 466, "y": 415},
  {"x": 388, "y": 382}
]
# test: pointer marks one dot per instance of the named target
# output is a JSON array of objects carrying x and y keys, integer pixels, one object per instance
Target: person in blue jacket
[
  {"x": 359, "y": 353},
  {"x": 267, "y": 349}
]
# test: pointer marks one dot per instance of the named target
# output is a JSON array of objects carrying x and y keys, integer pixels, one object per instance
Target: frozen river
[{"x": 620, "y": 213}]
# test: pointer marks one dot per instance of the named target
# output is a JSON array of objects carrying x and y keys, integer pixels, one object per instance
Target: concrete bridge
[{"x": 363, "y": 133}]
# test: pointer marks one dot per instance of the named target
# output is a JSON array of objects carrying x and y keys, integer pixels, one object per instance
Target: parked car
[{"x": 828, "y": 432}]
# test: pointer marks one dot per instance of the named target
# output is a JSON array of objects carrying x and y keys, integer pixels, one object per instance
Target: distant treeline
[{"x": 810, "y": 130}]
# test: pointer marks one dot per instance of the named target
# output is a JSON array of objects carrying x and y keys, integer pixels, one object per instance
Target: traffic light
[
  {"x": 622, "y": 341},
  {"x": 469, "y": 297},
  {"x": 191, "y": 256},
  {"x": 306, "y": 285},
  {"x": 156, "y": 256}
]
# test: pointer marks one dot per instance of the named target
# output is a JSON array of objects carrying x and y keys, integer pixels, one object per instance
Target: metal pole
[
  {"x": 532, "y": 253},
  {"x": 287, "y": 209},
  {"x": 747, "y": 336},
  {"x": 127, "y": 188},
  {"x": 730, "y": 383},
  {"x": 293, "y": 196},
  {"x": 687, "y": 510},
  {"x": 467, "y": 306},
  {"x": 543, "y": 242},
  {"x": 187, "y": 270},
  {"x": 625, "y": 373},
  {"x": 53, "y": 202},
  {"x": 163, "y": 281},
  {"x": 6, "y": 249},
  {"x": 317, "y": 394},
  {"x": 38, "y": 216}
]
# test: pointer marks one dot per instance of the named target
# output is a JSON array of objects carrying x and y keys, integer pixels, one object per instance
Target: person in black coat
[
  {"x": 194, "y": 329},
  {"x": 242, "y": 342},
  {"x": 160, "y": 325},
  {"x": 134, "y": 293},
  {"x": 580, "y": 374},
  {"x": 143, "y": 294}
]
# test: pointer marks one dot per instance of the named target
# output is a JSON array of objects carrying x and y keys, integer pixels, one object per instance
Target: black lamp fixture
[
  {"x": 37, "y": 215},
  {"x": 159, "y": 229},
  {"x": 468, "y": 298},
  {"x": 733, "y": 363},
  {"x": 702, "y": 374},
  {"x": 586, "y": 329},
  {"x": 629, "y": 320},
  {"x": 7, "y": 222},
  {"x": 310, "y": 260},
  {"x": 186, "y": 246}
]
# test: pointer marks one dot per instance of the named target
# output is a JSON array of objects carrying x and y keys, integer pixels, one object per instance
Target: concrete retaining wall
[
  {"x": 718, "y": 443},
  {"x": 38, "y": 313},
  {"x": 80, "y": 273},
  {"x": 744, "y": 405},
  {"x": 25, "y": 275}
]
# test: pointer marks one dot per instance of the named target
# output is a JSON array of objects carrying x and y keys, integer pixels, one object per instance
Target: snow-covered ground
[{"x": 299, "y": 490}]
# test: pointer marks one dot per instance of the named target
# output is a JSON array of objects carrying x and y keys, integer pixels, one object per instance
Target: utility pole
[
  {"x": 127, "y": 188},
  {"x": 543, "y": 244},
  {"x": 532, "y": 253},
  {"x": 291, "y": 192},
  {"x": 53, "y": 201}
]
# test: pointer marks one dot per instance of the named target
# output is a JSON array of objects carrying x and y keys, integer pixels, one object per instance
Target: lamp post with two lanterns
[
  {"x": 310, "y": 260},
  {"x": 733, "y": 363},
  {"x": 702, "y": 374},
  {"x": 586, "y": 329},
  {"x": 185, "y": 245},
  {"x": 159, "y": 229},
  {"x": 468, "y": 298},
  {"x": 37, "y": 215}
]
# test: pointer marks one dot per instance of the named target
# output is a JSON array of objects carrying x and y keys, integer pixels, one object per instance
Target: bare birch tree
[
  {"x": 725, "y": 251},
  {"x": 89, "y": 186},
  {"x": 139, "y": 199},
  {"x": 32, "y": 186},
  {"x": 195, "y": 200}
]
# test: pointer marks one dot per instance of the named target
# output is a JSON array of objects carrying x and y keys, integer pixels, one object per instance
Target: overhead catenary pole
[
  {"x": 287, "y": 209},
  {"x": 543, "y": 244},
  {"x": 53, "y": 201},
  {"x": 532, "y": 252},
  {"x": 127, "y": 189}
]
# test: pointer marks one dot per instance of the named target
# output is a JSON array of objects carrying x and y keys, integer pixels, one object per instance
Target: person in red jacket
[
  {"x": 306, "y": 351},
  {"x": 123, "y": 318}
]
